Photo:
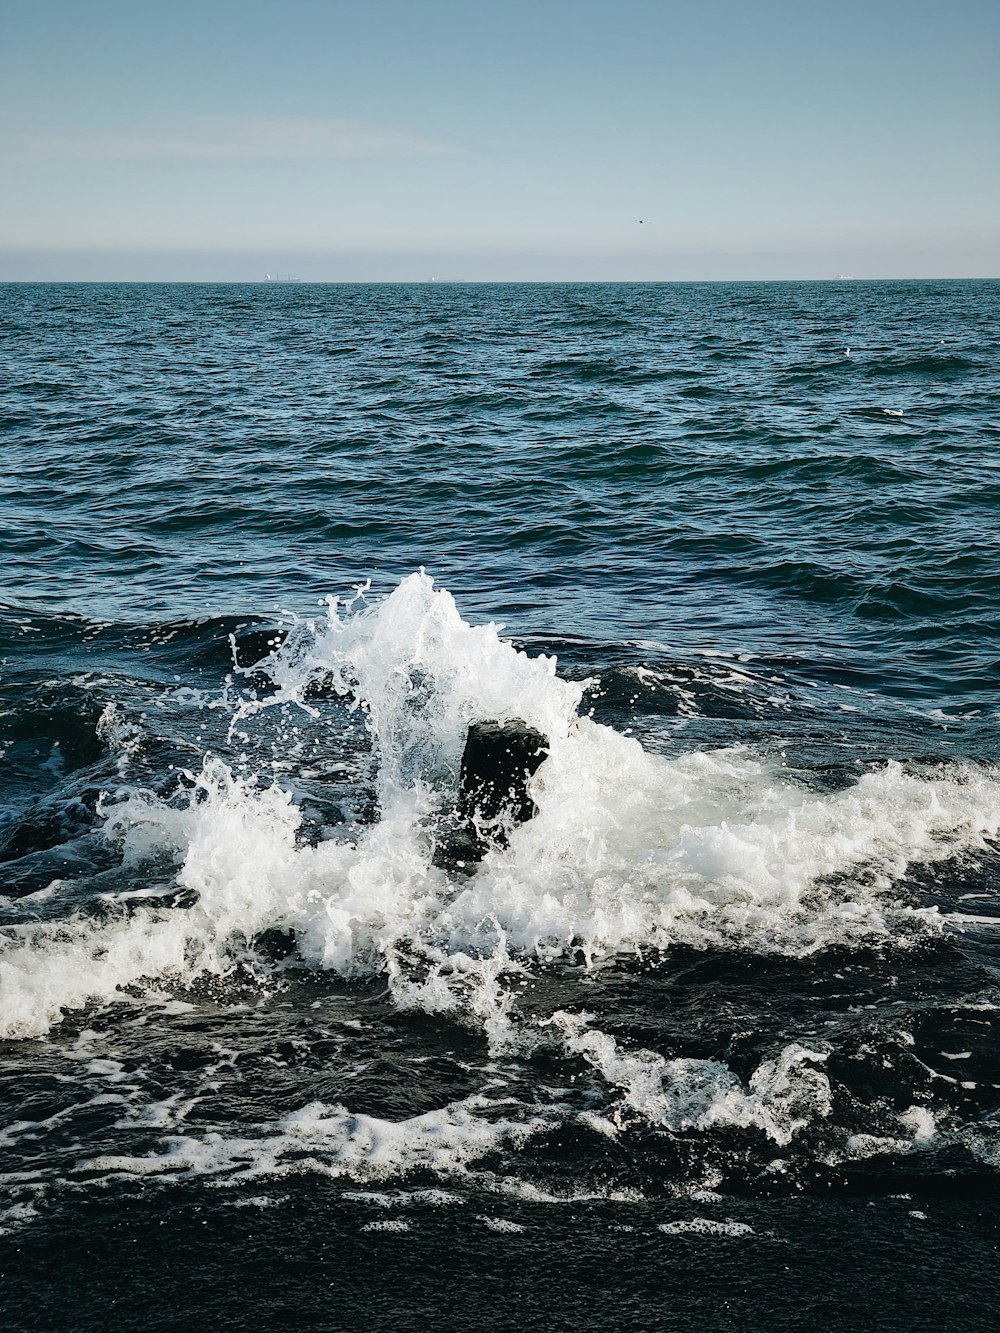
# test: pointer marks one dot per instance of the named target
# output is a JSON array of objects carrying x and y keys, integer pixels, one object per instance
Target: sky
[{"x": 512, "y": 140}]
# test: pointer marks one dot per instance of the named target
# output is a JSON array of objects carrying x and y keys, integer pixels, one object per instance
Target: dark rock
[{"x": 497, "y": 764}]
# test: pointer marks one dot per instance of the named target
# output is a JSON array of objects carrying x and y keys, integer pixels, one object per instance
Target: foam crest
[
  {"x": 707, "y": 1226},
  {"x": 783, "y": 1096},
  {"x": 423, "y": 674},
  {"x": 332, "y": 1141}
]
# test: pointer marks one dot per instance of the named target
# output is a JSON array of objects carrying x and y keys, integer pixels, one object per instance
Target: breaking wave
[{"x": 629, "y": 852}]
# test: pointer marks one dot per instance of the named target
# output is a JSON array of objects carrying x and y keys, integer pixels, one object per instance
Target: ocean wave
[{"x": 628, "y": 851}]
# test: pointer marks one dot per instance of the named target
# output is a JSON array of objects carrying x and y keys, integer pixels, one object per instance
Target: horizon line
[{"x": 466, "y": 282}]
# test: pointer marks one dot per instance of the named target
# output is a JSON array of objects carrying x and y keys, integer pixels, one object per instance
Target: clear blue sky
[{"x": 515, "y": 139}]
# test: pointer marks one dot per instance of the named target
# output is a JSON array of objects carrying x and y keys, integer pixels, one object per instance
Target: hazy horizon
[
  {"x": 214, "y": 268},
  {"x": 473, "y": 282}
]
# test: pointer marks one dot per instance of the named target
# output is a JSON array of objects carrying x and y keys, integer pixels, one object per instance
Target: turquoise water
[{"x": 727, "y": 1002}]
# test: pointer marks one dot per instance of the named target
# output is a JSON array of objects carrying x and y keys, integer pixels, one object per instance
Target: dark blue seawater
[{"x": 711, "y": 1041}]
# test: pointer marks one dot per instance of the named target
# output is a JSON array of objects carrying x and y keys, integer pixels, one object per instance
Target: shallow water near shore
[{"x": 712, "y": 1039}]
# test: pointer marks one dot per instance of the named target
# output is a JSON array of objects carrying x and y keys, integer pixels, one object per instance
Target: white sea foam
[
  {"x": 921, "y": 1123},
  {"x": 527, "y": 1191},
  {"x": 329, "y": 1140},
  {"x": 782, "y": 1097},
  {"x": 425, "y": 1198},
  {"x": 16, "y": 1216},
  {"x": 706, "y": 1226},
  {"x": 501, "y": 1225},
  {"x": 628, "y": 852}
]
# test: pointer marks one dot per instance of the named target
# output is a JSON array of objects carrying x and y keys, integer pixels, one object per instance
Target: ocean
[{"x": 711, "y": 1040}]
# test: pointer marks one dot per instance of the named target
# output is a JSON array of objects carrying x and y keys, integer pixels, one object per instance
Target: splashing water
[{"x": 628, "y": 851}]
